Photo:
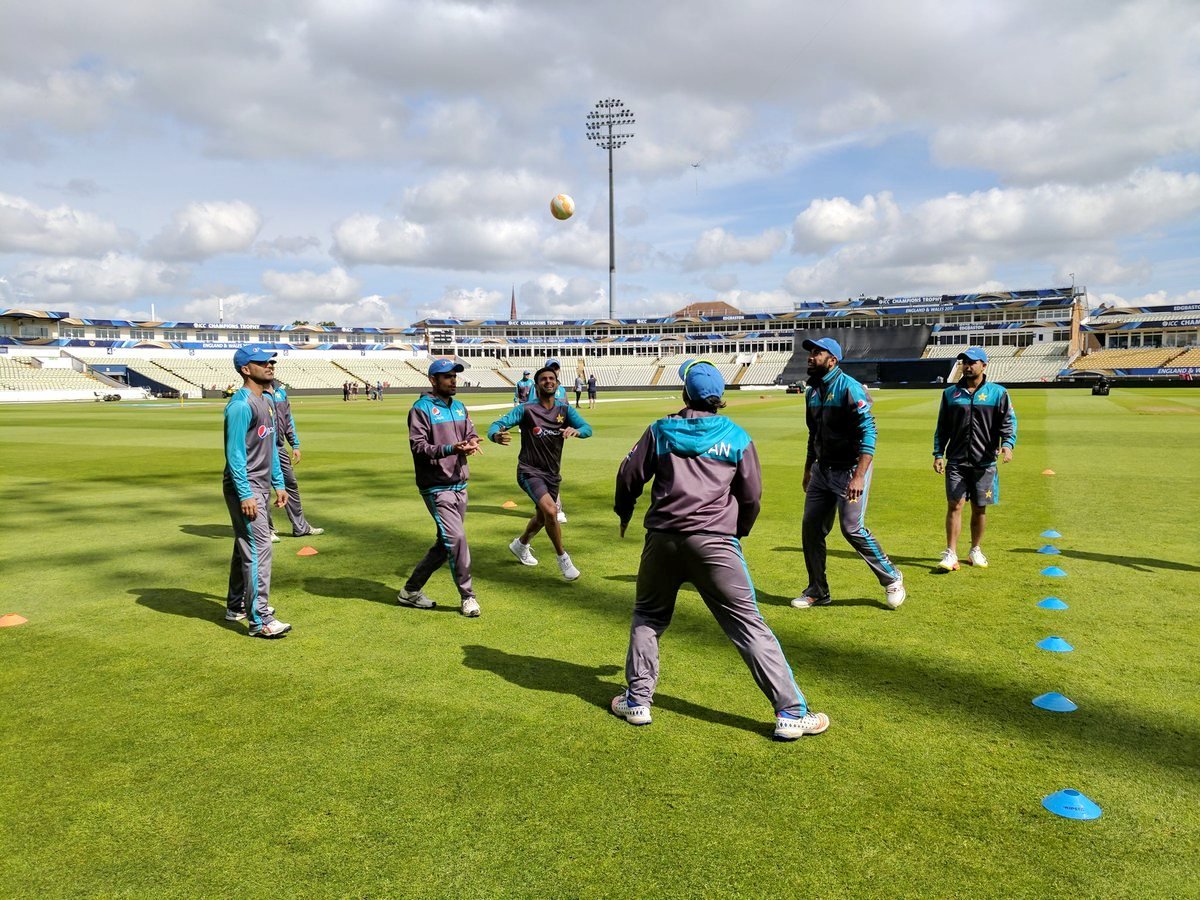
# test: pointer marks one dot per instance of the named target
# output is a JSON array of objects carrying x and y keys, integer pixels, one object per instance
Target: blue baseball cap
[
  {"x": 974, "y": 353},
  {"x": 526, "y": 371},
  {"x": 443, "y": 366},
  {"x": 701, "y": 379},
  {"x": 552, "y": 363},
  {"x": 252, "y": 353},
  {"x": 829, "y": 345}
]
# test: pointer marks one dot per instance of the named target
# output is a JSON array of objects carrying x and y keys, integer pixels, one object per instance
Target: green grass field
[{"x": 149, "y": 748}]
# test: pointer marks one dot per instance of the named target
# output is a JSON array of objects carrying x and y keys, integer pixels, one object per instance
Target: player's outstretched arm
[
  {"x": 576, "y": 421},
  {"x": 497, "y": 432},
  {"x": 746, "y": 489}
]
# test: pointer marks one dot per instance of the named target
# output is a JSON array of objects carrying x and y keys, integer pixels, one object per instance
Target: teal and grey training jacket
[
  {"x": 841, "y": 427},
  {"x": 972, "y": 426}
]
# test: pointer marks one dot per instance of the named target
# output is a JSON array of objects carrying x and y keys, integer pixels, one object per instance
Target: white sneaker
[
  {"x": 630, "y": 712},
  {"x": 310, "y": 531},
  {"x": 415, "y": 599},
  {"x": 567, "y": 567},
  {"x": 949, "y": 561},
  {"x": 562, "y": 517},
  {"x": 470, "y": 608},
  {"x": 239, "y": 615},
  {"x": 275, "y": 539},
  {"x": 272, "y": 629},
  {"x": 894, "y": 593},
  {"x": 977, "y": 559},
  {"x": 807, "y": 602},
  {"x": 522, "y": 552},
  {"x": 789, "y": 728}
]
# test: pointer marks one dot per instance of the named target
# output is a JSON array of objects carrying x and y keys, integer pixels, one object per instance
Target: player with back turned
[{"x": 706, "y": 496}]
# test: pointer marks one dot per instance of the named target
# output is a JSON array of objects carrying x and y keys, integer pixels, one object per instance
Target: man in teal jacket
[
  {"x": 251, "y": 470},
  {"x": 976, "y": 425}
]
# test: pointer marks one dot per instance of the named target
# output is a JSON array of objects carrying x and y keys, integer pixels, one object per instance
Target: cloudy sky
[{"x": 378, "y": 161}]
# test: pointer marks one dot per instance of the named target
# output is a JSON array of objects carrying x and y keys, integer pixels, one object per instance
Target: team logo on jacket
[
  {"x": 437, "y": 413},
  {"x": 263, "y": 430},
  {"x": 537, "y": 430},
  {"x": 861, "y": 403}
]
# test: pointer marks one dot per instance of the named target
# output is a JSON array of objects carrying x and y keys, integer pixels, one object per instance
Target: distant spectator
[
  {"x": 379, "y": 391},
  {"x": 591, "y": 386},
  {"x": 345, "y": 391},
  {"x": 579, "y": 385}
]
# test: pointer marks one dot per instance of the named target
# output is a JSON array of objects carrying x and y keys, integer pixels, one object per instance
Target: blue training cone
[
  {"x": 1049, "y": 550},
  {"x": 1055, "y": 644},
  {"x": 1071, "y": 804},
  {"x": 1054, "y": 703},
  {"x": 1050, "y": 533},
  {"x": 1054, "y": 572},
  {"x": 1052, "y": 603}
]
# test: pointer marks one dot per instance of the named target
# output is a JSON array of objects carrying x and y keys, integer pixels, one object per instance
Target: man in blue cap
[
  {"x": 523, "y": 390},
  {"x": 545, "y": 426},
  {"x": 975, "y": 426},
  {"x": 251, "y": 470},
  {"x": 706, "y": 497},
  {"x": 441, "y": 436},
  {"x": 837, "y": 474}
]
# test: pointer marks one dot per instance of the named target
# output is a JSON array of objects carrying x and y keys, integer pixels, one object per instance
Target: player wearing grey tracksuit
[
  {"x": 286, "y": 437},
  {"x": 705, "y": 497},
  {"x": 841, "y": 444},
  {"x": 435, "y": 426},
  {"x": 251, "y": 469}
]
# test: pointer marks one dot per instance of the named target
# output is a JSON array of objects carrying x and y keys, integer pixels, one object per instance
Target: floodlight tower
[{"x": 603, "y": 126}]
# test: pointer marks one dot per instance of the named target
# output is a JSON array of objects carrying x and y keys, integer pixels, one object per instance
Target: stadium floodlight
[{"x": 607, "y": 125}]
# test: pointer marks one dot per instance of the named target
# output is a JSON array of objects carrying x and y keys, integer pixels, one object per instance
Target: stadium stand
[
  {"x": 1031, "y": 337},
  {"x": 1143, "y": 358}
]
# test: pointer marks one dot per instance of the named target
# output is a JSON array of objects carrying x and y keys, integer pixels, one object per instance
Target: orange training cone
[
  {"x": 307, "y": 551},
  {"x": 1047, "y": 471},
  {"x": 508, "y": 504},
  {"x": 12, "y": 619}
]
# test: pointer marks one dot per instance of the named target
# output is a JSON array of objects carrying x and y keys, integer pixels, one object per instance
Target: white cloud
[
  {"x": 201, "y": 230},
  {"x": 336, "y": 286},
  {"x": 826, "y": 223},
  {"x": 467, "y": 303},
  {"x": 952, "y": 242},
  {"x": 71, "y": 100},
  {"x": 62, "y": 231},
  {"x": 286, "y": 245},
  {"x": 717, "y": 247},
  {"x": 114, "y": 278}
]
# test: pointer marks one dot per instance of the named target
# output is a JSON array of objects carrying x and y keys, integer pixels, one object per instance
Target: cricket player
[
  {"x": 560, "y": 395},
  {"x": 251, "y": 470},
  {"x": 975, "y": 426},
  {"x": 523, "y": 390},
  {"x": 837, "y": 474},
  {"x": 441, "y": 437},
  {"x": 706, "y": 497},
  {"x": 545, "y": 425},
  {"x": 286, "y": 437}
]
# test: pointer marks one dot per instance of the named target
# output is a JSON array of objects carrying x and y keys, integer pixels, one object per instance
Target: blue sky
[{"x": 372, "y": 163}]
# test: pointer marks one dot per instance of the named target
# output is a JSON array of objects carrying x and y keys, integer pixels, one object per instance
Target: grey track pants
[
  {"x": 714, "y": 564},
  {"x": 250, "y": 567},
  {"x": 295, "y": 510},
  {"x": 449, "y": 511},
  {"x": 827, "y": 495}
]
